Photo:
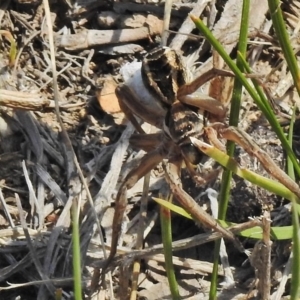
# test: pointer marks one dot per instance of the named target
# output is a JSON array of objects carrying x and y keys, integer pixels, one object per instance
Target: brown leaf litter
[{"x": 38, "y": 177}]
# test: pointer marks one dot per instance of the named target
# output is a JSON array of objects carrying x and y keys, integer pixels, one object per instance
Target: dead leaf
[
  {"x": 107, "y": 98},
  {"x": 134, "y": 21}
]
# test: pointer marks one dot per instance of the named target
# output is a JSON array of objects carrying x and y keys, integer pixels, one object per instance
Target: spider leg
[
  {"x": 201, "y": 179},
  {"x": 193, "y": 86},
  {"x": 244, "y": 140},
  {"x": 189, "y": 94},
  {"x": 212, "y": 134},
  {"x": 206, "y": 103},
  {"x": 146, "y": 142},
  {"x": 172, "y": 170},
  {"x": 147, "y": 163}
]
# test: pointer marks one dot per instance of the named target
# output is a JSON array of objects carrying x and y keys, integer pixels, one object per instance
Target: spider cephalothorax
[{"x": 182, "y": 122}]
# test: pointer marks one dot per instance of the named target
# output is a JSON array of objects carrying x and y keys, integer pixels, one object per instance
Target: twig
[
  {"x": 70, "y": 153},
  {"x": 24, "y": 100},
  {"x": 33, "y": 198},
  {"x": 285, "y": 276},
  {"x": 261, "y": 259},
  {"x": 94, "y": 38},
  {"x": 188, "y": 25},
  {"x": 177, "y": 245},
  {"x": 213, "y": 198},
  {"x": 140, "y": 235},
  {"x": 32, "y": 36},
  {"x": 6, "y": 211}
]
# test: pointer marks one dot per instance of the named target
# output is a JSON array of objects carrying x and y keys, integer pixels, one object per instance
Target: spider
[
  {"x": 165, "y": 98},
  {"x": 172, "y": 105}
]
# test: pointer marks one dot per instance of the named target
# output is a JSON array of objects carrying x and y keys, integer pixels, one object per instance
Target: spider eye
[{"x": 189, "y": 127}]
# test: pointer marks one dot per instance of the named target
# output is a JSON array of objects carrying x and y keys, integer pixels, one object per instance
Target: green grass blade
[
  {"x": 166, "y": 228},
  {"x": 277, "y": 233},
  {"x": 290, "y": 166},
  {"x": 229, "y": 163},
  {"x": 262, "y": 96},
  {"x": 13, "y": 46},
  {"x": 284, "y": 40},
  {"x": 76, "y": 253},
  {"x": 269, "y": 114},
  {"x": 233, "y": 121},
  {"x": 175, "y": 208},
  {"x": 295, "y": 280}
]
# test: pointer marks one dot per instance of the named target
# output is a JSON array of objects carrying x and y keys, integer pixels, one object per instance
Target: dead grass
[{"x": 39, "y": 179}]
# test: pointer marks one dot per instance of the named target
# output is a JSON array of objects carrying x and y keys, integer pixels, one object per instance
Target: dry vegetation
[{"x": 39, "y": 180}]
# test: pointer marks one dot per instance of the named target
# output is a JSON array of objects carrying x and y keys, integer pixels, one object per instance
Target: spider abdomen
[{"x": 163, "y": 73}]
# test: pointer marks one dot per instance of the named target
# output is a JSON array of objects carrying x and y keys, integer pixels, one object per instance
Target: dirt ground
[{"x": 41, "y": 147}]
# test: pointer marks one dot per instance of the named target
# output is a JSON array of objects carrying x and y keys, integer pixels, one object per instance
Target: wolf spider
[{"x": 173, "y": 105}]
